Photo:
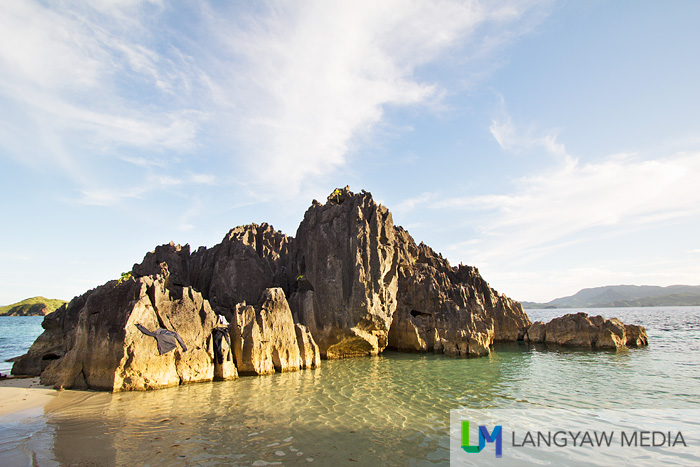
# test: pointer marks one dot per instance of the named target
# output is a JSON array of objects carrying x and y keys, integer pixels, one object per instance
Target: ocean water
[
  {"x": 17, "y": 333},
  {"x": 393, "y": 409}
]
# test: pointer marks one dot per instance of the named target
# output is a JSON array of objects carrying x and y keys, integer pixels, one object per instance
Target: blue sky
[{"x": 554, "y": 145}]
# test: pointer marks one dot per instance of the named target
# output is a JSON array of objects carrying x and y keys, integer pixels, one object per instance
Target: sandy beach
[{"x": 20, "y": 394}]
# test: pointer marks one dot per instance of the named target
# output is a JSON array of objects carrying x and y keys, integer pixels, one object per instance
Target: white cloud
[
  {"x": 320, "y": 74},
  {"x": 81, "y": 73},
  {"x": 108, "y": 197},
  {"x": 287, "y": 89},
  {"x": 203, "y": 179},
  {"x": 552, "y": 209},
  {"x": 514, "y": 139}
]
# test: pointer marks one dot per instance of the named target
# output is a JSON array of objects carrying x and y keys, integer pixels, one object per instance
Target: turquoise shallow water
[
  {"x": 393, "y": 409},
  {"x": 16, "y": 336}
]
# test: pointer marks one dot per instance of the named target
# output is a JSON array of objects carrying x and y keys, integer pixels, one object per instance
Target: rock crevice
[{"x": 349, "y": 284}]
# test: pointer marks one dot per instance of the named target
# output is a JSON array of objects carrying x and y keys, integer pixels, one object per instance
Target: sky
[{"x": 555, "y": 145}]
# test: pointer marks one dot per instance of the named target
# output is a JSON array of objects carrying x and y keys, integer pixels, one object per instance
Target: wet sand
[{"x": 20, "y": 394}]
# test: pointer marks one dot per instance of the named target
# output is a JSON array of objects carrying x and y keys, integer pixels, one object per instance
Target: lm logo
[{"x": 484, "y": 437}]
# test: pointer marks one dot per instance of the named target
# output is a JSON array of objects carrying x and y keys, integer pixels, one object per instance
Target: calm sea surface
[
  {"x": 16, "y": 336},
  {"x": 393, "y": 409}
]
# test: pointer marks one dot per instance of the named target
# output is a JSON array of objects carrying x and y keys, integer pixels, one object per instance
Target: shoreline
[{"x": 22, "y": 394}]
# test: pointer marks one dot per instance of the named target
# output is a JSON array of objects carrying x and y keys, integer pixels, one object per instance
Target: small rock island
[{"x": 349, "y": 284}]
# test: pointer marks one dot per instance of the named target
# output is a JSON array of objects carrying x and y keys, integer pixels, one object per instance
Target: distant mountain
[
  {"x": 35, "y": 306},
  {"x": 626, "y": 296}
]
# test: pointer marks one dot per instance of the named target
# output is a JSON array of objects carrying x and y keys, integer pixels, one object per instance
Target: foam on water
[{"x": 393, "y": 409}]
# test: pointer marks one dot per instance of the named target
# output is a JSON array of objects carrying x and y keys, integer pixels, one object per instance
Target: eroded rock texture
[
  {"x": 448, "y": 309},
  {"x": 349, "y": 284},
  {"x": 580, "y": 330},
  {"x": 345, "y": 264},
  {"x": 249, "y": 259},
  {"x": 266, "y": 339},
  {"x": 95, "y": 343}
]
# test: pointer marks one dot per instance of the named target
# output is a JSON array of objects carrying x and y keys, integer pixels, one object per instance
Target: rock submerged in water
[
  {"x": 93, "y": 342},
  {"x": 580, "y": 330},
  {"x": 350, "y": 284},
  {"x": 266, "y": 339},
  {"x": 447, "y": 309}
]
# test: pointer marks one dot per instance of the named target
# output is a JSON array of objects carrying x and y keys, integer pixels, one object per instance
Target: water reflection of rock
[
  {"x": 350, "y": 284},
  {"x": 379, "y": 409}
]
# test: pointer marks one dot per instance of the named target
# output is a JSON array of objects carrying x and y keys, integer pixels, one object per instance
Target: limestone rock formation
[
  {"x": 346, "y": 263},
  {"x": 349, "y": 284},
  {"x": 448, "y": 309},
  {"x": 93, "y": 342},
  {"x": 265, "y": 338},
  {"x": 308, "y": 349},
  {"x": 580, "y": 330},
  {"x": 636, "y": 336},
  {"x": 248, "y": 260},
  {"x": 349, "y": 275}
]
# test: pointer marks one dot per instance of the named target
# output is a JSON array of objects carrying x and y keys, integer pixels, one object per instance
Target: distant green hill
[
  {"x": 611, "y": 296},
  {"x": 35, "y": 306}
]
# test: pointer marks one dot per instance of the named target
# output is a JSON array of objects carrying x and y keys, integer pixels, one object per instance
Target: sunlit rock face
[
  {"x": 96, "y": 344},
  {"x": 581, "y": 330},
  {"x": 266, "y": 339},
  {"x": 350, "y": 284}
]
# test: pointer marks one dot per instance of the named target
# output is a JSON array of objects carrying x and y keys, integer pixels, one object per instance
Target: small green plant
[
  {"x": 301, "y": 276},
  {"x": 125, "y": 277}
]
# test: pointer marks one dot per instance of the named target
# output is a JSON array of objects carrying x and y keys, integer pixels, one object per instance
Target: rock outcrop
[
  {"x": 345, "y": 264},
  {"x": 93, "y": 342},
  {"x": 580, "y": 330},
  {"x": 448, "y": 309},
  {"x": 352, "y": 279},
  {"x": 266, "y": 339},
  {"x": 248, "y": 260},
  {"x": 349, "y": 284}
]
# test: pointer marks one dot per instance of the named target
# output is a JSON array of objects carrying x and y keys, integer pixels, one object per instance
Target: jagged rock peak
[
  {"x": 344, "y": 267},
  {"x": 340, "y": 195},
  {"x": 448, "y": 309}
]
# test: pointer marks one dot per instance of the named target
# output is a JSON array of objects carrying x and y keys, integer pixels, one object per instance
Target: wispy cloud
[
  {"x": 108, "y": 197},
  {"x": 203, "y": 179},
  {"x": 84, "y": 82},
  {"x": 571, "y": 201},
  {"x": 513, "y": 138},
  {"x": 278, "y": 93},
  {"x": 551, "y": 209},
  {"x": 319, "y": 75}
]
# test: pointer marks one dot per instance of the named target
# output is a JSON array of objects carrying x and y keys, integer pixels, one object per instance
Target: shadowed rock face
[
  {"x": 448, "y": 309},
  {"x": 350, "y": 284},
  {"x": 248, "y": 260},
  {"x": 580, "y": 330},
  {"x": 52, "y": 343},
  {"x": 345, "y": 261},
  {"x": 348, "y": 275}
]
